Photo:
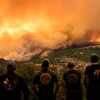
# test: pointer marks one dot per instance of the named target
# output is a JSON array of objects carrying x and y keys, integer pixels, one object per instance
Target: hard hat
[
  {"x": 11, "y": 65},
  {"x": 71, "y": 64},
  {"x": 94, "y": 57},
  {"x": 45, "y": 62}
]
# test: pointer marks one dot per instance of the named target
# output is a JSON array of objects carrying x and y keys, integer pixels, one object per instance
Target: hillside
[{"x": 82, "y": 53}]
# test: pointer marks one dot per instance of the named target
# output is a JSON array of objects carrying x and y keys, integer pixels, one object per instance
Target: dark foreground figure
[
  {"x": 45, "y": 80},
  {"x": 92, "y": 79},
  {"x": 72, "y": 79},
  {"x": 13, "y": 85}
]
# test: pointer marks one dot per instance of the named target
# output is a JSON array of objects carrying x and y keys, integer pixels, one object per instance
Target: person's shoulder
[
  {"x": 19, "y": 77},
  {"x": 65, "y": 72},
  {"x": 88, "y": 67},
  {"x": 77, "y": 71},
  {"x": 98, "y": 64},
  {"x": 3, "y": 76},
  {"x": 37, "y": 74},
  {"x": 51, "y": 72}
]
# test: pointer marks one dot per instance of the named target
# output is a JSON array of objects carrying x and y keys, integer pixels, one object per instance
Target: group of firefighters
[{"x": 46, "y": 83}]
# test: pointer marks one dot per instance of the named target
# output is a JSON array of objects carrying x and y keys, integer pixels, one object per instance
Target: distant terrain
[{"x": 80, "y": 52}]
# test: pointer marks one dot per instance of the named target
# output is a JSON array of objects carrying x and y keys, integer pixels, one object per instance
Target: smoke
[{"x": 27, "y": 27}]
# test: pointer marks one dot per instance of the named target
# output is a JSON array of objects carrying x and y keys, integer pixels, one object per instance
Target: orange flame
[{"x": 95, "y": 37}]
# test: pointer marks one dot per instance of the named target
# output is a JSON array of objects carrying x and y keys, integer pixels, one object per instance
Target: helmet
[
  {"x": 45, "y": 63},
  {"x": 71, "y": 64},
  {"x": 11, "y": 65},
  {"x": 46, "y": 59},
  {"x": 94, "y": 57}
]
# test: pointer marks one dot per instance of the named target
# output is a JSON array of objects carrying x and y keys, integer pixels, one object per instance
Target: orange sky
[{"x": 29, "y": 26}]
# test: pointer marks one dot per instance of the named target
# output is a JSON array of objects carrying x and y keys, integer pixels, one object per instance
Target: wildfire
[
  {"x": 21, "y": 27},
  {"x": 28, "y": 27},
  {"x": 95, "y": 37},
  {"x": 98, "y": 40}
]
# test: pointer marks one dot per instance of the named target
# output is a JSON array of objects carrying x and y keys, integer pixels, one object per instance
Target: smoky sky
[{"x": 31, "y": 26}]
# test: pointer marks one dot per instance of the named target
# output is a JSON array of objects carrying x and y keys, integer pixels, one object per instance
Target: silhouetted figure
[
  {"x": 13, "y": 86},
  {"x": 92, "y": 79},
  {"x": 45, "y": 80},
  {"x": 72, "y": 78}
]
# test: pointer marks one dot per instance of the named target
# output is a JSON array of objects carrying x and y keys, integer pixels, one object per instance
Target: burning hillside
[{"x": 27, "y": 27}]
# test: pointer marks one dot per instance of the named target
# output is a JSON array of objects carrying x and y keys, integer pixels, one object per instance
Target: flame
[
  {"x": 21, "y": 26},
  {"x": 95, "y": 37},
  {"x": 23, "y": 39}
]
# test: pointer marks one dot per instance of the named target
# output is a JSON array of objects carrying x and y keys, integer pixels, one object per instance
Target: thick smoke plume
[{"x": 28, "y": 27}]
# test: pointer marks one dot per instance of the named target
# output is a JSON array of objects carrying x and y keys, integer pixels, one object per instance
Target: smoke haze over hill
[{"x": 29, "y": 26}]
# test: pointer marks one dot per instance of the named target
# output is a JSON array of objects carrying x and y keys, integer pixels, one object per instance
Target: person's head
[
  {"x": 45, "y": 64},
  {"x": 94, "y": 58},
  {"x": 71, "y": 64},
  {"x": 11, "y": 65}
]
